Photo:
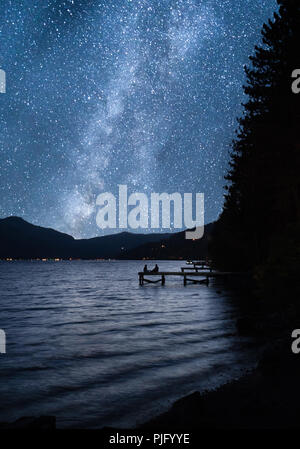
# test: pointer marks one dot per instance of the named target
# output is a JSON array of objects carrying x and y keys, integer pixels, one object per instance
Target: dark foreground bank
[{"x": 266, "y": 398}]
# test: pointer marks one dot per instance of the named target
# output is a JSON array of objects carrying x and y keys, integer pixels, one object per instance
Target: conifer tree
[{"x": 261, "y": 209}]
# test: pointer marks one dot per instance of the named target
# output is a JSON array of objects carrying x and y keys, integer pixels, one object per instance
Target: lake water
[{"x": 86, "y": 343}]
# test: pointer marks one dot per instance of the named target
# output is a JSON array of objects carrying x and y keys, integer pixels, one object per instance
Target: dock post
[
  {"x": 163, "y": 280},
  {"x": 184, "y": 280},
  {"x": 141, "y": 279}
]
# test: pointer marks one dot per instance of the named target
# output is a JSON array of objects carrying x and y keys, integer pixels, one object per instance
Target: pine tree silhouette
[{"x": 259, "y": 226}]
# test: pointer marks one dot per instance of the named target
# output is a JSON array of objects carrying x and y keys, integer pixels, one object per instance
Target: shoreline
[{"x": 265, "y": 398}]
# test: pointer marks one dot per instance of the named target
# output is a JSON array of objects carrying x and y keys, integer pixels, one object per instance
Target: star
[{"x": 135, "y": 92}]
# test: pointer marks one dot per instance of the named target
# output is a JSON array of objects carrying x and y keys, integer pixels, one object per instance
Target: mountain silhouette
[{"x": 22, "y": 240}]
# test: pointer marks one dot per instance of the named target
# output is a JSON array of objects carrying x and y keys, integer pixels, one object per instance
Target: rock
[{"x": 31, "y": 422}]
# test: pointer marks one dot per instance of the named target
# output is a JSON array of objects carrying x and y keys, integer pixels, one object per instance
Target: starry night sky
[{"x": 100, "y": 93}]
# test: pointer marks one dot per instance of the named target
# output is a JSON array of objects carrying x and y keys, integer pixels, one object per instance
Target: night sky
[{"x": 100, "y": 93}]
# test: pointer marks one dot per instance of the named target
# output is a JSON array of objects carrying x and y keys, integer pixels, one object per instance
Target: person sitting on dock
[
  {"x": 155, "y": 269},
  {"x": 145, "y": 269}
]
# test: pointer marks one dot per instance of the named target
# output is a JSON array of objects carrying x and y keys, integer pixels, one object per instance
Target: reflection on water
[{"x": 86, "y": 343}]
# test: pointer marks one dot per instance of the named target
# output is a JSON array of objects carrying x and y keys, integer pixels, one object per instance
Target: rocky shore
[
  {"x": 266, "y": 398},
  {"x": 30, "y": 423}
]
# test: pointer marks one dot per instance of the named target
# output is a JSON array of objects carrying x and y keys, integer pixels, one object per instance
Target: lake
[{"x": 86, "y": 343}]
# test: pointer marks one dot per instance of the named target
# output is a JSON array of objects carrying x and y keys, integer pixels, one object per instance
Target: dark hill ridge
[
  {"x": 113, "y": 246},
  {"x": 22, "y": 240},
  {"x": 174, "y": 247}
]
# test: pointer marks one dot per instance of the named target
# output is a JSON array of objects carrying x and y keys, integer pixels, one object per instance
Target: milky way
[{"x": 137, "y": 92}]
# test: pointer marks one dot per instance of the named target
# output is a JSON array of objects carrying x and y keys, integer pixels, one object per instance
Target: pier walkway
[{"x": 187, "y": 277}]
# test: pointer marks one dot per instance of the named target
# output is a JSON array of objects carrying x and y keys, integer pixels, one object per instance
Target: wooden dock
[
  {"x": 187, "y": 277},
  {"x": 197, "y": 266}
]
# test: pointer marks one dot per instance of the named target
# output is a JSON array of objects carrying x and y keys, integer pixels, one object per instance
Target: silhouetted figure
[
  {"x": 145, "y": 269},
  {"x": 155, "y": 269}
]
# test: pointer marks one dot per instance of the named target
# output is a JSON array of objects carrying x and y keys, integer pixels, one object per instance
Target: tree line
[{"x": 258, "y": 229}]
